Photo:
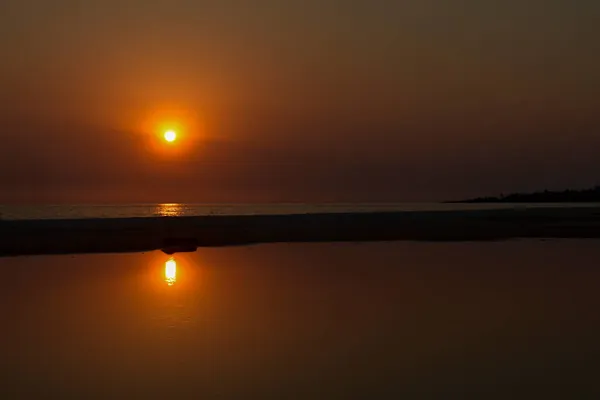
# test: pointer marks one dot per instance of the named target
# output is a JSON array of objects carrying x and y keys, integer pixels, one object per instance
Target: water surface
[
  {"x": 489, "y": 320},
  {"x": 77, "y": 211}
]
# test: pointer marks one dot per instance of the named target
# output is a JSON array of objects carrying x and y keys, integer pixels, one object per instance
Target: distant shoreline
[
  {"x": 495, "y": 200},
  {"x": 565, "y": 196},
  {"x": 39, "y": 237}
]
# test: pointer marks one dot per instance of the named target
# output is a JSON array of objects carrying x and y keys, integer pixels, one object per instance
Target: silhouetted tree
[{"x": 547, "y": 196}]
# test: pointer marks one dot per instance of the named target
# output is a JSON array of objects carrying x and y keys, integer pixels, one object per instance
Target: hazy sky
[{"x": 364, "y": 100}]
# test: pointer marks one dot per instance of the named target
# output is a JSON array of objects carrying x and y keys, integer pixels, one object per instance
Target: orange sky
[{"x": 296, "y": 101}]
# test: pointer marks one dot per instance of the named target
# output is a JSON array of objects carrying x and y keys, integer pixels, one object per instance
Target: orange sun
[{"x": 170, "y": 136}]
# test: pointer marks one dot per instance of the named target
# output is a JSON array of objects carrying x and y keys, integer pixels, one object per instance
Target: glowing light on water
[
  {"x": 170, "y": 272},
  {"x": 169, "y": 210}
]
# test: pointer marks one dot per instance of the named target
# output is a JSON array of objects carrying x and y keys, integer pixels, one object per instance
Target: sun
[{"x": 170, "y": 136}]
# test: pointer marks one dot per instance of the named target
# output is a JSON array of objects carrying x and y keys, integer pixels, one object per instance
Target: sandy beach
[{"x": 31, "y": 237}]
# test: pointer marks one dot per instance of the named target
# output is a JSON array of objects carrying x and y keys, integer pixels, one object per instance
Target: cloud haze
[{"x": 297, "y": 101}]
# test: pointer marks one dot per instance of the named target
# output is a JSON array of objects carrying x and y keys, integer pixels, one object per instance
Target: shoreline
[{"x": 118, "y": 235}]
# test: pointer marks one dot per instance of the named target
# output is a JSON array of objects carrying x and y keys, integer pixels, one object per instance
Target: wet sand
[{"x": 36, "y": 237}]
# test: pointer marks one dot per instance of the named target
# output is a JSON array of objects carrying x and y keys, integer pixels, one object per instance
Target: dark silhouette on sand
[{"x": 566, "y": 196}]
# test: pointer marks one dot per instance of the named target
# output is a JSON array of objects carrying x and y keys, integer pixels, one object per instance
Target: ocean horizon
[{"x": 148, "y": 210}]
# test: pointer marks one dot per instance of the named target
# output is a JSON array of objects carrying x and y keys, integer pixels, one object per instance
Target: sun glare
[
  {"x": 170, "y": 136},
  {"x": 170, "y": 272}
]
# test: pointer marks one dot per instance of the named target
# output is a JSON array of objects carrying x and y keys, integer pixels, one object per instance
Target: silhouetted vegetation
[{"x": 546, "y": 196}]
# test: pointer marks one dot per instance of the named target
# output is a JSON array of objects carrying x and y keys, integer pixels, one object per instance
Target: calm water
[
  {"x": 380, "y": 320},
  {"x": 172, "y": 210}
]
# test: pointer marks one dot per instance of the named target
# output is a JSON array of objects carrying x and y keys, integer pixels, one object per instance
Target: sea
[
  {"x": 412, "y": 320},
  {"x": 84, "y": 211}
]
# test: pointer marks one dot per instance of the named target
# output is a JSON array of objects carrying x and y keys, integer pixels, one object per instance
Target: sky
[{"x": 296, "y": 101}]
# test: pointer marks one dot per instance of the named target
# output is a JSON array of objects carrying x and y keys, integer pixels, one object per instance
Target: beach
[{"x": 117, "y": 235}]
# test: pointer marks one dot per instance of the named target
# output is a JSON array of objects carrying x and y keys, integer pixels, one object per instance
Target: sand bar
[{"x": 73, "y": 236}]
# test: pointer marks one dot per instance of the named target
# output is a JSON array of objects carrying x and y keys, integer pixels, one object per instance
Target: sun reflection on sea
[
  {"x": 171, "y": 272},
  {"x": 169, "y": 210}
]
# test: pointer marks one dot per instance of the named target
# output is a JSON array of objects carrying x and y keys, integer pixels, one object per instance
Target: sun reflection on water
[
  {"x": 171, "y": 272},
  {"x": 169, "y": 210}
]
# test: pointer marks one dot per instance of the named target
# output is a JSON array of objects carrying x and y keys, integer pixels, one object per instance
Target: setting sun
[{"x": 170, "y": 136}]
